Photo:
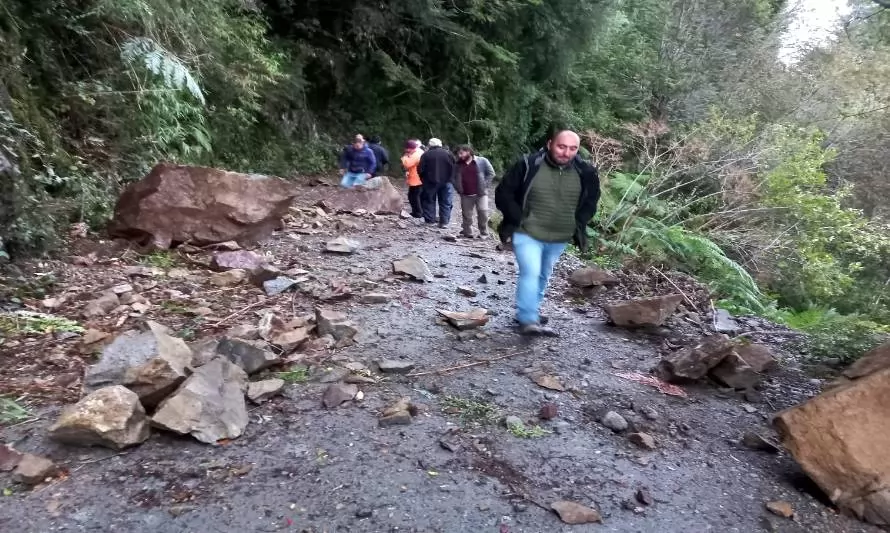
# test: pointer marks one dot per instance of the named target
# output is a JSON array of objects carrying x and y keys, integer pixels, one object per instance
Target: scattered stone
[
  {"x": 342, "y": 245},
  {"x": 471, "y": 319},
  {"x": 548, "y": 411},
  {"x": 375, "y": 298},
  {"x": 780, "y": 508},
  {"x": 364, "y": 513},
  {"x": 260, "y": 391},
  {"x": 449, "y": 238},
  {"x": 450, "y": 445},
  {"x": 102, "y": 305},
  {"x": 122, "y": 289},
  {"x": 614, "y": 421},
  {"x": 840, "y": 439},
  {"x": 745, "y": 366},
  {"x": 289, "y": 341},
  {"x": 643, "y": 312},
  {"x": 238, "y": 260},
  {"x": 467, "y": 291},
  {"x": 227, "y": 245},
  {"x": 250, "y": 356},
  {"x": 229, "y": 278},
  {"x": 413, "y": 266},
  {"x": 209, "y": 405},
  {"x": 199, "y": 205},
  {"x": 694, "y": 362},
  {"x": 547, "y": 381},
  {"x": 246, "y": 332},
  {"x": 334, "y": 323},
  {"x": 92, "y": 336},
  {"x": 574, "y": 513},
  {"x": 9, "y": 457},
  {"x": 643, "y": 440},
  {"x": 178, "y": 273},
  {"x": 482, "y": 279},
  {"x": 592, "y": 277},
  {"x": 395, "y": 366},
  {"x": 112, "y": 417},
  {"x": 643, "y": 496},
  {"x": 337, "y": 393},
  {"x": 279, "y": 285},
  {"x": 758, "y": 442},
  {"x": 33, "y": 469},
  {"x": 649, "y": 412},
  {"x": 334, "y": 375},
  {"x": 513, "y": 421},
  {"x": 142, "y": 272},
  {"x": 264, "y": 273},
  {"x": 724, "y": 323},
  {"x": 151, "y": 363},
  {"x": 750, "y": 409}
]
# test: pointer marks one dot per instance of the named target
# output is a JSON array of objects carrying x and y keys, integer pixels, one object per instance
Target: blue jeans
[
  {"x": 436, "y": 193},
  {"x": 351, "y": 179},
  {"x": 536, "y": 260}
]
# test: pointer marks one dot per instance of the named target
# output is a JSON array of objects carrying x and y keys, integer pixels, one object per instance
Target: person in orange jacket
[{"x": 410, "y": 161}]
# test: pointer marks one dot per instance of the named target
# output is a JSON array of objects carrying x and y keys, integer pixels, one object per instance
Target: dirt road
[{"x": 301, "y": 467}]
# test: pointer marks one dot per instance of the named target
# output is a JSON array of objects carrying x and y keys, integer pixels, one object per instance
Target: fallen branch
[
  {"x": 467, "y": 365},
  {"x": 238, "y": 312},
  {"x": 669, "y": 280}
]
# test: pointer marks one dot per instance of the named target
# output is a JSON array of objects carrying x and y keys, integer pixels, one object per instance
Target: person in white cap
[{"x": 436, "y": 171}]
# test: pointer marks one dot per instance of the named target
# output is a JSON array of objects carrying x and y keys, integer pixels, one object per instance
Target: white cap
[{"x": 434, "y": 142}]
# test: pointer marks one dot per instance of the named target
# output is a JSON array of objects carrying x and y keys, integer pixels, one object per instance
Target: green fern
[{"x": 162, "y": 63}]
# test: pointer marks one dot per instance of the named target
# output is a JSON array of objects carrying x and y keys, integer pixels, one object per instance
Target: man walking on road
[
  {"x": 472, "y": 179},
  {"x": 410, "y": 162},
  {"x": 357, "y": 163},
  {"x": 380, "y": 154},
  {"x": 547, "y": 199},
  {"x": 436, "y": 171}
]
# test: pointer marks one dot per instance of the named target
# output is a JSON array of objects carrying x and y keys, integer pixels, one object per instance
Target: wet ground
[{"x": 300, "y": 467}]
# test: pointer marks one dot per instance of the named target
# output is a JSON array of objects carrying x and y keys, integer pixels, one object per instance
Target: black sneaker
[
  {"x": 542, "y": 319},
  {"x": 537, "y": 330}
]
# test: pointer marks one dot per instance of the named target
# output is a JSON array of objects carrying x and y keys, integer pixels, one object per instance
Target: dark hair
[
  {"x": 556, "y": 129},
  {"x": 375, "y": 139},
  {"x": 464, "y": 148}
]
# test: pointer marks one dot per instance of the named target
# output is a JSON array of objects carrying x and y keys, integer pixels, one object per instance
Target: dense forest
[{"x": 764, "y": 177}]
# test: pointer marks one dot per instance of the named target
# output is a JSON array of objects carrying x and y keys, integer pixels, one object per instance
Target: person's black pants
[
  {"x": 432, "y": 195},
  {"x": 414, "y": 198}
]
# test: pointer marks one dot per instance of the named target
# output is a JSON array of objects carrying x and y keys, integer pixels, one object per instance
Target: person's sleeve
[
  {"x": 488, "y": 172},
  {"x": 343, "y": 162},
  {"x": 372, "y": 162},
  {"x": 506, "y": 192},
  {"x": 587, "y": 210}
]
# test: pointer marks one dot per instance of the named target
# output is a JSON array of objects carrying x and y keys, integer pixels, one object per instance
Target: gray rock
[
  {"x": 101, "y": 306},
  {"x": 467, "y": 291},
  {"x": 337, "y": 393},
  {"x": 644, "y": 311},
  {"x": 513, "y": 420},
  {"x": 724, "y": 323},
  {"x": 229, "y": 278},
  {"x": 334, "y": 375},
  {"x": 247, "y": 332},
  {"x": 375, "y": 298},
  {"x": 260, "y": 391},
  {"x": 413, "y": 266},
  {"x": 33, "y": 469},
  {"x": 210, "y": 404},
  {"x": 614, "y": 421},
  {"x": 342, "y": 245},
  {"x": 334, "y": 323},
  {"x": 9, "y": 457},
  {"x": 112, "y": 417},
  {"x": 239, "y": 259},
  {"x": 152, "y": 364},
  {"x": 592, "y": 277},
  {"x": 395, "y": 366},
  {"x": 251, "y": 356},
  {"x": 643, "y": 440},
  {"x": 279, "y": 285}
]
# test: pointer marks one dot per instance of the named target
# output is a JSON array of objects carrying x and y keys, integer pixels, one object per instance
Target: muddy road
[{"x": 456, "y": 468}]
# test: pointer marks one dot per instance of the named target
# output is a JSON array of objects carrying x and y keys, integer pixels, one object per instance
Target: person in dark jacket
[
  {"x": 546, "y": 199},
  {"x": 380, "y": 154},
  {"x": 357, "y": 163},
  {"x": 436, "y": 171}
]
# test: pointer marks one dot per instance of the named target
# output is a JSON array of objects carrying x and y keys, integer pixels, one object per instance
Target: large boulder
[
  {"x": 744, "y": 366},
  {"x": 643, "y": 312},
  {"x": 841, "y": 438},
  {"x": 112, "y": 417},
  {"x": 209, "y": 405},
  {"x": 873, "y": 361},
  {"x": 152, "y": 364},
  {"x": 383, "y": 199},
  {"x": 592, "y": 277},
  {"x": 200, "y": 205}
]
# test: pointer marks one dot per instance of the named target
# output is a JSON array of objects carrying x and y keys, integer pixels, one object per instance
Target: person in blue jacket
[{"x": 357, "y": 163}]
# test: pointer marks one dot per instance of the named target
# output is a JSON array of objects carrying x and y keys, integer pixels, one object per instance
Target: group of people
[
  {"x": 432, "y": 174},
  {"x": 546, "y": 199}
]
